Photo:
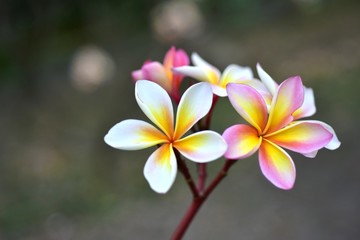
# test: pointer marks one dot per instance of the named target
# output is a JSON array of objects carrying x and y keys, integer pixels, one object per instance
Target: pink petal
[
  {"x": 276, "y": 165},
  {"x": 169, "y": 58},
  {"x": 154, "y": 71},
  {"x": 194, "y": 105},
  {"x": 308, "y": 108},
  {"x": 133, "y": 135},
  {"x": 137, "y": 74},
  {"x": 181, "y": 58},
  {"x": 334, "y": 142},
  {"x": 176, "y": 58},
  {"x": 156, "y": 104},
  {"x": 288, "y": 98},
  {"x": 160, "y": 169},
  {"x": 242, "y": 141},
  {"x": 267, "y": 80},
  {"x": 249, "y": 104},
  {"x": 204, "y": 146},
  {"x": 302, "y": 137}
]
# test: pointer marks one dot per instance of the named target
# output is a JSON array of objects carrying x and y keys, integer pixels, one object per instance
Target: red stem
[
  {"x": 202, "y": 177},
  {"x": 202, "y": 173},
  {"x": 198, "y": 201},
  {"x": 185, "y": 171}
]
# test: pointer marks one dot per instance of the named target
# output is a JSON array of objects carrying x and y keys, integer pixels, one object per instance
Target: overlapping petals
[
  {"x": 249, "y": 104},
  {"x": 161, "y": 73},
  {"x": 273, "y": 129},
  {"x": 161, "y": 167},
  {"x": 204, "y": 71},
  {"x": 287, "y": 99},
  {"x": 307, "y": 109}
]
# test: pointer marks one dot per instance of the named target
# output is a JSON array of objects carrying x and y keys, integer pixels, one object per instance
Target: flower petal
[
  {"x": 249, "y": 104},
  {"x": 133, "y": 135},
  {"x": 191, "y": 71},
  {"x": 308, "y": 108},
  {"x": 202, "y": 70},
  {"x": 235, "y": 74},
  {"x": 160, "y": 169},
  {"x": 242, "y": 141},
  {"x": 175, "y": 58},
  {"x": 288, "y": 98},
  {"x": 334, "y": 142},
  {"x": 156, "y": 104},
  {"x": 276, "y": 165},
  {"x": 232, "y": 74},
  {"x": 204, "y": 146},
  {"x": 137, "y": 74},
  {"x": 194, "y": 105},
  {"x": 260, "y": 87},
  {"x": 155, "y": 71},
  {"x": 266, "y": 79},
  {"x": 303, "y": 137},
  {"x": 213, "y": 74}
]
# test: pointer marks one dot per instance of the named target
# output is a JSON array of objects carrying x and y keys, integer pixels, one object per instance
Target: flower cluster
[{"x": 272, "y": 112}]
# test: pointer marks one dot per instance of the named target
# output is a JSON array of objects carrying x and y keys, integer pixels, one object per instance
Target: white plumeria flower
[
  {"x": 161, "y": 167},
  {"x": 203, "y": 71}
]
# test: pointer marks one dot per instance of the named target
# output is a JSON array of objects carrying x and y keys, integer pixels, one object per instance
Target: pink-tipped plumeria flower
[
  {"x": 203, "y": 71},
  {"x": 271, "y": 130},
  {"x": 162, "y": 74},
  {"x": 161, "y": 167}
]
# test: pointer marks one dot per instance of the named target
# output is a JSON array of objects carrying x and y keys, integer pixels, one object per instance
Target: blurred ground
[{"x": 58, "y": 180}]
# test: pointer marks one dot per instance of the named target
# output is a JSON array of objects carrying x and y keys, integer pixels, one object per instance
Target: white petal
[
  {"x": 134, "y": 135},
  {"x": 212, "y": 72},
  {"x": 308, "y": 108},
  {"x": 194, "y": 105},
  {"x": 267, "y": 80},
  {"x": 160, "y": 169},
  {"x": 156, "y": 104}
]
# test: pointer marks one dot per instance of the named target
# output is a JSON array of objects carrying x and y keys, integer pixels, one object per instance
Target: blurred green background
[{"x": 65, "y": 80}]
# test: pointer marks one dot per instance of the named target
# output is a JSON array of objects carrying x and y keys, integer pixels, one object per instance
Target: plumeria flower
[
  {"x": 161, "y": 167},
  {"x": 307, "y": 109},
  {"x": 162, "y": 74},
  {"x": 272, "y": 130},
  {"x": 203, "y": 71}
]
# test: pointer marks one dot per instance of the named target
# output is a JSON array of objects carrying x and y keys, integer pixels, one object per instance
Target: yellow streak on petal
[
  {"x": 164, "y": 119},
  {"x": 151, "y": 135},
  {"x": 185, "y": 120},
  {"x": 276, "y": 165}
]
